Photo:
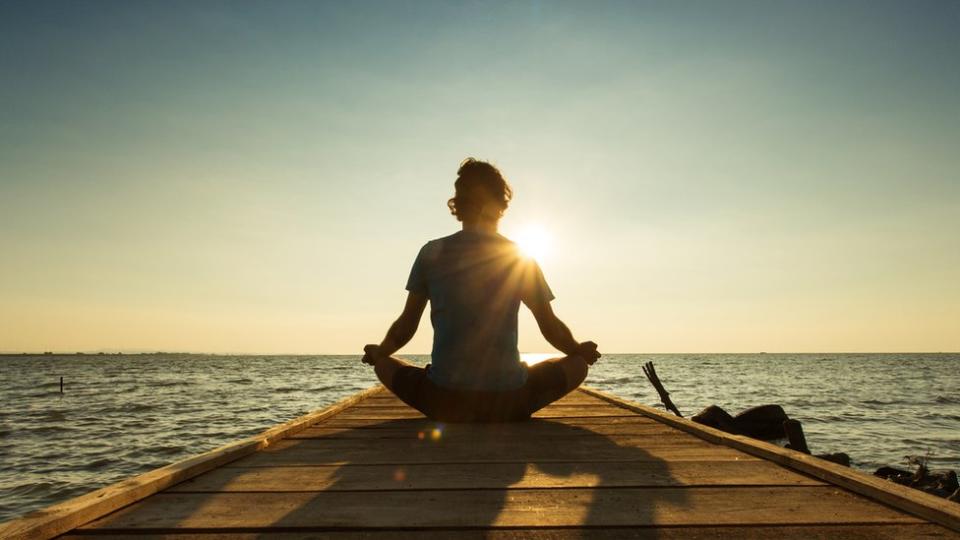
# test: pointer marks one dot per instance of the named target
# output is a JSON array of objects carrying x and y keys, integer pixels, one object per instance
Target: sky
[{"x": 257, "y": 177}]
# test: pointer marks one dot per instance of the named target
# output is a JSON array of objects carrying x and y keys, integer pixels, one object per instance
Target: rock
[
  {"x": 938, "y": 483},
  {"x": 948, "y": 482},
  {"x": 764, "y": 422},
  {"x": 899, "y": 476},
  {"x": 716, "y": 417}
]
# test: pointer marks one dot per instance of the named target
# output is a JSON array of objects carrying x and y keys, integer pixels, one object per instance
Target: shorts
[{"x": 546, "y": 383}]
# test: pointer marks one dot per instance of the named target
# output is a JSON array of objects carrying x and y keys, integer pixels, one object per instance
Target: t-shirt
[{"x": 475, "y": 282}]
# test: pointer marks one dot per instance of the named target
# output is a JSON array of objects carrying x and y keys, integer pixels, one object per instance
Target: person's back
[{"x": 475, "y": 281}]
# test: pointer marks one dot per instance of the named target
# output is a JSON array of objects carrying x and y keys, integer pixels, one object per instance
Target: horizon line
[{"x": 158, "y": 352}]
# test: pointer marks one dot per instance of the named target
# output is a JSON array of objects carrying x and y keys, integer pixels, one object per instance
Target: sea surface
[{"x": 122, "y": 415}]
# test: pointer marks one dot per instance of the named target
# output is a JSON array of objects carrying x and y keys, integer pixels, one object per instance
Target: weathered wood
[
  {"x": 63, "y": 517},
  {"x": 493, "y": 476},
  {"x": 921, "y": 504},
  {"x": 398, "y": 451},
  {"x": 566, "y": 407},
  {"x": 502, "y": 508},
  {"x": 527, "y": 429},
  {"x": 575, "y": 395},
  {"x": 378, "y": 469},
  {"x": 654, "y": 379},
  {"x": 573, "y": 398},
  {"x": 588, "y": 422},
  {"x": 790, "y": 532},
  {"x": 558, "y": 411}
]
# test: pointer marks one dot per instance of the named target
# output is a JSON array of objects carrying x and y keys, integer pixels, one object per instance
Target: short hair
[{"x": 472, "y": 176}]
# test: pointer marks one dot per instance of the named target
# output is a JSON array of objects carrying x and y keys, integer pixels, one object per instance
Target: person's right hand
[
  {"x": 588, "y": 351},
  {"x": 371, "y": 353}
]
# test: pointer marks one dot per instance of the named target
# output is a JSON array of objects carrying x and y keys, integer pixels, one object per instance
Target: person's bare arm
[
  {"x": 401, "y": 331},
  {"x": 559, "y": 335}
]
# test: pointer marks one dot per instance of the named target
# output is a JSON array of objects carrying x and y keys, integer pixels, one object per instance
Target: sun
[{"x": 534, "y": 242}]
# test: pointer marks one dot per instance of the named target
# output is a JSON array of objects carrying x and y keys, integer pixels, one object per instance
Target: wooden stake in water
[{"x": 61, "y": 385}]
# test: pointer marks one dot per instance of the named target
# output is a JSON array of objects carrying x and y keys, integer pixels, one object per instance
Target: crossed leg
[
  {"x": 574, "y": 369},
  {"x": 386, "y": 367},
  {"x": 551, "y": 379}
]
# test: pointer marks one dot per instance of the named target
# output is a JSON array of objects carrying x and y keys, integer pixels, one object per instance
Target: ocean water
[{"x": 122, "y": 415}]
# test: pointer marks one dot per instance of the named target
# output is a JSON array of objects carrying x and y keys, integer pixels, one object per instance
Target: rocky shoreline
[{"x": 771, "y": 423}]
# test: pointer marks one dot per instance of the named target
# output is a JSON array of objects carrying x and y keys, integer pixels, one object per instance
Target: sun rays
[{"x": 534, "y": 241}]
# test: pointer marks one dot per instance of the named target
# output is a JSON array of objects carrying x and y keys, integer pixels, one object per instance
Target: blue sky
[{"x": 258, "y": 176}]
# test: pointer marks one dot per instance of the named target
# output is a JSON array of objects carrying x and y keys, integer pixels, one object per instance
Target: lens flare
[{"x": 534, "y": 242}]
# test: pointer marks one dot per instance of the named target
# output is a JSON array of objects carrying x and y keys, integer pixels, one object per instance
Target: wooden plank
[
  {"x": 589, "y": 422},
  {"x": 927, "y": 506},
  {"x": 573, "y": 398},
  {"x": 566, "y": 407},
  {"x": 395, "y": 451},
  {"x": 575, "y": 404},
  {"x": 549, "y": 412},
  {"x": 492, "y": 476},
  {"x": 504, "y": 430},
  {"x": 814, "y": 532},
  {"x": 166, "y": 512},
  {"x": 449, "y": 438},
  {"x": 383, "y": 407},
  {"x": 60, "y": 518},
  {"x": 534, "y": 428},
  {"x": 575, "y": 395}
]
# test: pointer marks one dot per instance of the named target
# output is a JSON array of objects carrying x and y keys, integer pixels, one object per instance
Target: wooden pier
[{"x": 590, "y": 465}]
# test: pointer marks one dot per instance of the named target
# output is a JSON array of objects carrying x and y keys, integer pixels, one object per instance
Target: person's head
[{"x": 482, "y": 194}]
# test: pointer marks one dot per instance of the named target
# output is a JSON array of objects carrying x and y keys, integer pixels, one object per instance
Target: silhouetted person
[{"x": 475, "y": 281}]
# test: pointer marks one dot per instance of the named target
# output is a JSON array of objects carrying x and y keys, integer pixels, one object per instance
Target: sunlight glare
[
  {"x": 533, "y": 241},
  {"x": 535, "y": 358}
]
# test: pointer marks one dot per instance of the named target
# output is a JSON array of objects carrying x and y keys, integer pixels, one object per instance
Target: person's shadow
[{"x": 418, "y": 474}]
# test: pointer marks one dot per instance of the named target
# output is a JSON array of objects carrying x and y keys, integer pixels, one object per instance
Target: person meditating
[{"x": 475, "y": 281}]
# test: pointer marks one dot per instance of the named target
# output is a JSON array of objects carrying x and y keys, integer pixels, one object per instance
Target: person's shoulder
[
  {"x": 432, "y": 248},
  {"x": 448, "y": 238},
  {"x": 508, "y": 246},
  {"x": 504, "y": 240},
  {"x": 438, "y": 243},
  {"x": 497, "y": 243}
]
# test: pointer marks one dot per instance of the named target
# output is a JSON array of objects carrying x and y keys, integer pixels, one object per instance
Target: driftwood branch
[{"x": 651, "y": 374}]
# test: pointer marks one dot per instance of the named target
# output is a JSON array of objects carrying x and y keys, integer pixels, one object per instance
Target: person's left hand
[
  {"x": 371, "y": 353},
  {"x": 588, "y": 351}
]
